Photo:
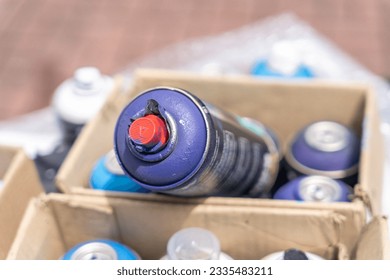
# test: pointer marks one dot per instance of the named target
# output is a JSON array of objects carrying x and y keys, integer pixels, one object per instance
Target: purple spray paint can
[
  {"x": 170, "y": 141},
  {"x": 315, "y": 188},
  {"x": 324, "y": 148}
]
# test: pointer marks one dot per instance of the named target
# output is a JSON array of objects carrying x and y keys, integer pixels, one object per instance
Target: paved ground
[{"x": 42, "y": 41}]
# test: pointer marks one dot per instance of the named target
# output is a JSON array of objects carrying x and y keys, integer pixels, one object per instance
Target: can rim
[
  {"x": 332, "y": 187},
  {"x": 312, "y": 130},
  {"x": 334, "y": 174},
  {"x": 100, "y": 250}
]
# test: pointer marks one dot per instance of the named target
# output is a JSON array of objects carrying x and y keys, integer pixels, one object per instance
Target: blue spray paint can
[
  {"x": 101, "y": 249},
  {"x": 292, "y": 254},
  {"x": 324, "y": 148},
  {"x": 107, "y": 175},
  {"x": 263, "y": 68},
  {"x": 315, "y": 188},
  {"x": 283, "y": 61},
  {"x": 170, "y": 141}
]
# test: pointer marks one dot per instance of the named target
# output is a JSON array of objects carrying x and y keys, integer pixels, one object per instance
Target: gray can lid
[
  {"x": 319, "y": 188},
  {"x": 95, "y": 251},
  {"x": 327, "y": 136}
]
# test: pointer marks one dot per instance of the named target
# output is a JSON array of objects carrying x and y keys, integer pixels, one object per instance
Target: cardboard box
[
  {"x": 20, "y": 183},
  {"x": 55, "y": 223},
  {"x": 283, "y": 106}
]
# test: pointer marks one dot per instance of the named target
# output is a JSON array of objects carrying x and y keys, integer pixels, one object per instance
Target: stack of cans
[
  {"x": 169, "y": 141},
  {"x": 321, "y": 163}
]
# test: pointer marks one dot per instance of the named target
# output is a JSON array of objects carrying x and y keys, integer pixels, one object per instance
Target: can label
[{"x": 243, "y": 163}]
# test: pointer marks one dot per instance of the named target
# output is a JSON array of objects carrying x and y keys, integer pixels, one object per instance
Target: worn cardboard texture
[
  {"x": 21, "y": 183},
  {"x": 374, "y": 241},
  {"x": 54, "y": 223},
  {"x": 283, "y": 106}
]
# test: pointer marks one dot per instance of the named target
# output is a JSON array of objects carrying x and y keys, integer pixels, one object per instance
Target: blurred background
[{"x": 42, "y": 42}]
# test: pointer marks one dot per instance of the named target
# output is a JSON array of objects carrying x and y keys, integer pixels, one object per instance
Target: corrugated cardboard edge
[
  {"x": 372, "y": 157},
  {"x": 37, "y": 223},
  {"x": 21, "y": 183},
  {"x": 40, "y": 223},
  {"x": 43, "y": 227},
  {"x": 374, "y": 241}
]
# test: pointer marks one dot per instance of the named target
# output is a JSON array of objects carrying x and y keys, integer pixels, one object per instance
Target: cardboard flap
[
  {"x": 6, "y": 156},
  {"x": 81, "y": 221},
  {"x": 38, "y": 225},
  {"x": 21, "y": 183},
  {"x": 372, "y": 156},
  {"x": 147, "y": 225},
  {"x": 374, "y": 241}
]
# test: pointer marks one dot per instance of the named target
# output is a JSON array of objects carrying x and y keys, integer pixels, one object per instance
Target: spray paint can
[
  {"x": 101, "y": 249},
  {"x": 292, "y": 254},
  {"x": 325, "y": 148},
  {"x": 170, "y": 141},
  {"x": 79, "y": 98},
  {"x": 194, "y": 244},
  {"x": 315, "y": 188},
  {"x": 75, "y": 102},
  {"x": 283, "y": 61},
  {"x": 107, "y": 175},
  {"x": 49, "y": 164}
]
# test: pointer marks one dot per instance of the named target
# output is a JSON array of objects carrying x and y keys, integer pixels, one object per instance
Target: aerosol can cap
[{"x": 148, "y": 131}]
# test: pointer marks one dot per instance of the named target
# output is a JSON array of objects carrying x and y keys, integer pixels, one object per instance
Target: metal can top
[
  {"x": 327, "y": 136},
  {"x": 320, "y": 189},
  {"x": 79, "y": 98},
  {"x": 95, "y": 251},
  {"x": 111, "y": 163}
]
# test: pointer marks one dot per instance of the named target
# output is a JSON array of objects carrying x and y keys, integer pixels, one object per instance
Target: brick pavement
[{"x": 42, "y": 41}]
